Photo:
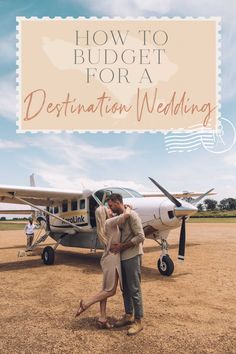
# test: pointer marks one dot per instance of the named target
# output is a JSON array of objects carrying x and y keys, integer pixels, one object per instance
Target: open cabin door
[{"x": 96, "y": 199}]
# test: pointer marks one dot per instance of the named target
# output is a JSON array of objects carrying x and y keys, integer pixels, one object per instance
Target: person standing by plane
[
  {"x": 130, "y": 249},
  {"x": 108, "y": 232},
  {"x": 29, "y": 231}
]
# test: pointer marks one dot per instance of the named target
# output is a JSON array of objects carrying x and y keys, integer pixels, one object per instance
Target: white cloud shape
[
  {"x": 8, "y": 97},
  {"x": 73, "y": 162},
  {"x": 75, "y": 151},
  {"x": 8, "y": 144},
  {"x": 63, "y": 176},
  {"x": 230, "y": 159},
  {"x": 183, "y": 8},
  {"x": 8, "y": 48}
]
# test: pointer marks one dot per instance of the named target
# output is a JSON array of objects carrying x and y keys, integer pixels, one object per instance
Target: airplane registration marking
[{"x": 75, "y": 217}]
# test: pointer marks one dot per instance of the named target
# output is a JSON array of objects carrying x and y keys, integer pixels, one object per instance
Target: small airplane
[{"x": 68, "y": 216}]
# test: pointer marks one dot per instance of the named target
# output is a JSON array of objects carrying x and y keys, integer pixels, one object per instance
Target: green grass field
[
  {"x": 217, "y": 213},
  {"x": 216, "y": 216},
  {"x": 212, "y": 220},
  {"x": 5, "y": 226}
]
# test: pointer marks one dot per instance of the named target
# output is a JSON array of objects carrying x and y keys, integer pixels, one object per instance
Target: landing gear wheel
[
  {"x": 48, "y": 255},
  {"x": 167, "y": 266}
]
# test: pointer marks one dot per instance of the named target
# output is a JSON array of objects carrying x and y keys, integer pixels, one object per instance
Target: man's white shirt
[{"x": 29, "y": 229}]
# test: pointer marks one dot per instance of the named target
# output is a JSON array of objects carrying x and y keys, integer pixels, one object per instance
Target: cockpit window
[
  {"x": 134, "y": 193},
  {"x": 102, "y": 194}
]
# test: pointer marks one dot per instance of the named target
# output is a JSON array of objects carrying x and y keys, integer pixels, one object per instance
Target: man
[
  {"x": 130, "y": 248},
  {"x": 29, "y": 230}
]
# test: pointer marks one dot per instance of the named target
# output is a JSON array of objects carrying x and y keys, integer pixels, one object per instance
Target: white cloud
[
  {"x": 76, "y": 152},
  {"x": 63, "y": 176},
  {"x": 161, "y": 7},
  {"x": 8, "y": 82},
  {"x": 73, "y": 161},
  {"x": 206, "y": 8},
  {"x": 9, "y": 207},
  {"x": 8, "y": 97},
  {"x": 8, "y": 144},
  {"x": 230, "y": 159},
  {"x": 92, "y": 184},
  {"x": 8, "y": 48},
  {"x": 228, "y": 63},
  {"x": 68, "y": 177},
  {"x": 56, "y": 175},
  {"x": 227, "y": 191},
  {"x": 110, "y": 153},
  {"x": 228, "y": 177}
]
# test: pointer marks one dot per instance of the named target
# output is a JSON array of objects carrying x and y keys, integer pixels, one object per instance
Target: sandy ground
[{"x": 193, "y": 311}]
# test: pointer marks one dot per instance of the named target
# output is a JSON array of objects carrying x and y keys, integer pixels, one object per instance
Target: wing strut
[{"x": 46, "y": 212}]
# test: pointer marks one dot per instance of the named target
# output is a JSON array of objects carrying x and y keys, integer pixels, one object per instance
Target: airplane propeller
[
  {"x": 182, "y": 238},
  {"x": 181, "y": 211},
  {"x": 195, "y": 201},
  {"x": 167, "y": 194}
]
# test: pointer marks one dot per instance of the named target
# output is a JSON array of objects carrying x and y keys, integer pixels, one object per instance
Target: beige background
[{"x": 46, "y": 62}]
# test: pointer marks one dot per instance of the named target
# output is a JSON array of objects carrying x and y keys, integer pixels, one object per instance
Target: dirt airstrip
[{"x": 193, "y": 311}]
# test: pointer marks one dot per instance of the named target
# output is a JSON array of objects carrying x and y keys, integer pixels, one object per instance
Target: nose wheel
[
  {"x": 165, "y": 265},
  {"x": 48, "y": 255}
]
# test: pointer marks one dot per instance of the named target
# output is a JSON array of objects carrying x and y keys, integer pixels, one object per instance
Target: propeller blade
[
  {"x": 167, "y": 194},
  {"x": 195, "y": 201},
  {"x": 182, "y": 240}
]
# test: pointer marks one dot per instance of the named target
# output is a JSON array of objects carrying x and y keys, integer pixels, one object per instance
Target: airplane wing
[
  {"x": 20, "y": 211},
  {"x": 35, "y": 195},
  {"x": 176, "y": 195}
]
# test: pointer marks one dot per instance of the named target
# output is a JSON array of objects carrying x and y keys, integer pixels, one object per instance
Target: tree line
[{"x": 211, "y": 204}]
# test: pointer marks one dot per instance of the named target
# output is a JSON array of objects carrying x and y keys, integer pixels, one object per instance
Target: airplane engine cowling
[{"x": 167, "y": 214}]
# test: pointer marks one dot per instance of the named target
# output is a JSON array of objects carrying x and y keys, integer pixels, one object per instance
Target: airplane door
[
  {"x": 92, "y": 207},
  {"x": 100, "y": 195}
]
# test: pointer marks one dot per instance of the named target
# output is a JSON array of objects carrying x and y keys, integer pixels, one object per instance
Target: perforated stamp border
[{"x": 217, "y": 20}]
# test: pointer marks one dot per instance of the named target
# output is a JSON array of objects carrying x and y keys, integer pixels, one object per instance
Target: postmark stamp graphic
[{"x": 223, "y": 139}]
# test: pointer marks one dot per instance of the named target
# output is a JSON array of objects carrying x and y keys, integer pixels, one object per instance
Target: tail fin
[
  {"x": 32, "y": 181},
  {"x": 32, "y": 184}
]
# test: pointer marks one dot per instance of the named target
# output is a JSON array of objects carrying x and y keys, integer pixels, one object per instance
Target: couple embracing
[{"x": 122, "y": 236}]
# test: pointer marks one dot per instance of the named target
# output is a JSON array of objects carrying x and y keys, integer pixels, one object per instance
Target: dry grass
[{"x": 193, "y": 311}]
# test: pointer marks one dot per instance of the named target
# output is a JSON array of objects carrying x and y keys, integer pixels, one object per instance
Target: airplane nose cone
[{"x": 185, "y": 210}]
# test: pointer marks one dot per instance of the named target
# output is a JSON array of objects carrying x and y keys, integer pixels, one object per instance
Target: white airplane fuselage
[
  {"x": 68, "y": 216},
  {"x": 157, "y": 215}
]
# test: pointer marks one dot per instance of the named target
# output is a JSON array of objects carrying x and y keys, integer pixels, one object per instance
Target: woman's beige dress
[{"x": 110, "y": 262}]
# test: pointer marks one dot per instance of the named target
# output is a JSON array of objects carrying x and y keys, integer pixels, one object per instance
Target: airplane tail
[
  {"x": 32, "y": 184},
  {"x": 32, "y": 181}
]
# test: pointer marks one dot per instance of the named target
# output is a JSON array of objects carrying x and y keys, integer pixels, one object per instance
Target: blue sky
[{"x": 94, "y": 160}]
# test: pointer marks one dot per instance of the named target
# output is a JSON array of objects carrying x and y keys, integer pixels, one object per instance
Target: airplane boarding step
[{"x": 35, "y": 245}]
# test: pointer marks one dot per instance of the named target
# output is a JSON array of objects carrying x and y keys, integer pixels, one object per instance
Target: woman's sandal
[
  {"x": 104, "y": 324},
  {"x": 81, "y": 309}
]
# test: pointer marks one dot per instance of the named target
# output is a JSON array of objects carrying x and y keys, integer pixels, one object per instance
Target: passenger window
[
  {"x": 82, "y": 204},
  {"x": 74, "y": 205},
  {"x": 64, "y": 206},
  {"x": 56, "y": 209}
]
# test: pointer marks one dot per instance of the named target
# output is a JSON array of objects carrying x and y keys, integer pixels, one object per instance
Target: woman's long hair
[{"x": 101, "y": 216}]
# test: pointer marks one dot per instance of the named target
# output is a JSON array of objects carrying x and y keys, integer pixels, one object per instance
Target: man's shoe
[
  {"x": 135, "y": 328},
  {"x": 127, "y": 319}
]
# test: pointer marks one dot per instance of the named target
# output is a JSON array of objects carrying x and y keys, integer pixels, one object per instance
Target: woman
[{"x": 108, "y": 233}]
